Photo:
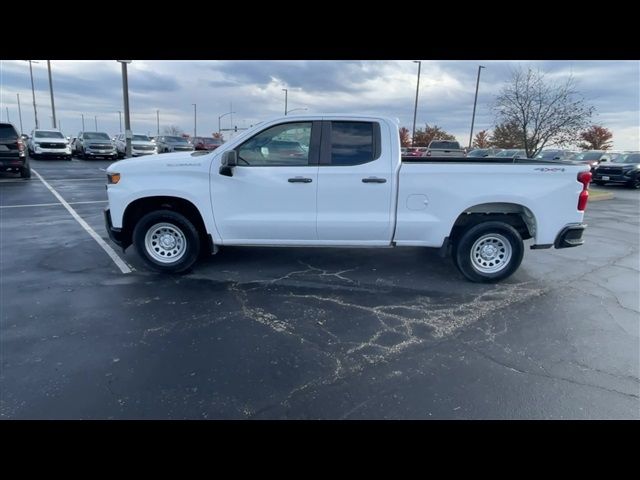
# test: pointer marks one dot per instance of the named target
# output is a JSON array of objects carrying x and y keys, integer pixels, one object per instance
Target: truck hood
[
  {"x": 166, "y": 162},
  {"x": 49, "y": 140}
]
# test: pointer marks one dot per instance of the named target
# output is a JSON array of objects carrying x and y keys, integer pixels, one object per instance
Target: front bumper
[
  {"x": 101, "y": 153},
  {"x": 623, "y": 177},
  {"x": 62, "y": 152},
  {"x": 570, "y": 236},
  {"x": 115, "y": 234}
]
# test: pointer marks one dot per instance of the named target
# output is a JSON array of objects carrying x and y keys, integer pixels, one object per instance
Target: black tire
[
  {"x": 635, "y": 184},
  {"x": 191, "y": 240},
  {"x": 25, "y": 172},
  {"x": 599, "y": 182},
  {"x": 502, "y": 232}
]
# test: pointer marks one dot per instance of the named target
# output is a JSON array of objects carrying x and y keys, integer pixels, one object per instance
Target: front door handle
[
  {"x": 374, "y": 180},
  {"x": 300, "y": 180}
]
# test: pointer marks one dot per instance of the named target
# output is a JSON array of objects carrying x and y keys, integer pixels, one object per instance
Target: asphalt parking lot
[{"x": 307, "y": 333}]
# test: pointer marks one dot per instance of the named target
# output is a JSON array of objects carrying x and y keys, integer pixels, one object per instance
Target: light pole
[
  {"x": 415, "y": 109},
  {"x": 95, "y": 118},
  {"x": 9, "y": 121},
  {"x": 82, "y": 115},
  {"x": 33, "y": 91},
  {"x": 53, "y": 105},
  {"x": 286, "y": 96},
  {"x": 125, "y": 94},
  {"x": 158, "y": 122},
  {"x": 223, "y": 115},
  {"x": 120, "y": 119},
  {"x": 195, "y": 120},
  {"x": 475, "y": 100},
  {"x": 19, "y": 113},
  {"x": 294, "y": 109}
]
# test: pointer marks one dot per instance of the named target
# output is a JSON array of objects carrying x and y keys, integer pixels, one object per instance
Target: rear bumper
[
  {"x": 570, "y": 236},
  {"x": 115, "y": 234},
  {"x": 13, "y": 162}
]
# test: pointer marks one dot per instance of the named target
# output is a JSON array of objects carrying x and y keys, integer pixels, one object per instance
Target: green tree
[
  {"x": 424, "y": 137},
  {"x": 507, "y": 135}
]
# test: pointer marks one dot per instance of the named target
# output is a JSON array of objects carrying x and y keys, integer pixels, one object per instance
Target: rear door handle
[
  {"x": 374, "y": 180},
  {"x": 300, "y": 180}
]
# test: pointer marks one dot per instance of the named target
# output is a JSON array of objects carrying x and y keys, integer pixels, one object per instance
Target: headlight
[{"x": 37, "y": 144}]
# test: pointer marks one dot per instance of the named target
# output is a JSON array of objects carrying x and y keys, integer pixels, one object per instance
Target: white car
[
  {"x": 49, "y": 143},
  {"x": 349, "y": 188},
  {"x": 140, "y": 145}
]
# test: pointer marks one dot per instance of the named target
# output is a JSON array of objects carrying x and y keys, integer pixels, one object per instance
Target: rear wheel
[
  {"x": 167, "y": 241},
  {"x": 25, "y": 172},
  {"x": 488, "y": 252}
]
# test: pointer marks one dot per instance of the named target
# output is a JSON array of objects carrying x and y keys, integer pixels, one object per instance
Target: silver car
[{"x": 173, "y": 143}]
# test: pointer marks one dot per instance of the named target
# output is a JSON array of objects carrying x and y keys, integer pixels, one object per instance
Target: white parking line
[
  {"x": 124, "y": 268},
  {"x": 52, "y": 204}
]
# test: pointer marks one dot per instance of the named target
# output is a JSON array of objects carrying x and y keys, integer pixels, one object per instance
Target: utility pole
[
  {"x": 473, "y": 117},
  {"x": 120, "y": 119},
  {"x": 82, "y": 114},
  {"x": 158, "y": 122},
  {"x": 195, "y": 120},
  {"x": 286, "y": 98},
  {"x": 125, "y": 94},
  {"x": 19, "y": 113},
  {"x": 9, "y": 121},
  {"x": 53, "y": 105},
  {"x": 415, "y": 109},
  {"x": 95, "y": 118}
]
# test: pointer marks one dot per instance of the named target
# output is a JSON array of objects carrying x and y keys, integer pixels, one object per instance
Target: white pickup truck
[
  {"x": 340, "y": 181},
  {"x": 445, "y": 148}
]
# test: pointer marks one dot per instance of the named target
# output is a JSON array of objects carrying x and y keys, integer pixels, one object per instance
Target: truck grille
[
  {"x": 609, "y": 170},
  {"x": 52, "y": 145},
  {"x": 144, "y": 148}
]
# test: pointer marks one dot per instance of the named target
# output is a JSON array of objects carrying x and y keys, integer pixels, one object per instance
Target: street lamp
[
  {"x": 195, "y": 120},
  {"x": 82, "y": 115},
  {"x": 125, "y": 94},
  {"x": 95, "y": 118},
  {"x": 286, "y": 96},
  {"x": 19, "y": 113},
  {"x": 294, "y": 109},
  {"x": 158, "y": 121},
  {"x": 33, "y": 91},
  {"x": 53, "y": 105},
  {"x": 415, "y": 109},
  {"x": 223, "y": 115},
  {"x": 120, "y": 119},
  {"x": 473, "y": 117}
]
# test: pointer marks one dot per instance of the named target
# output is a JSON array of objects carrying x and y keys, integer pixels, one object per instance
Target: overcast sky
[{"x": 253, "y": 89}]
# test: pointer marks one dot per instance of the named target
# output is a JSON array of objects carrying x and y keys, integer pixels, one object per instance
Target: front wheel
[
  {"x": 25, "y": 172},
  {"x": 167, "y": 241},
  {"x": 599, "y": 182},
  {"x": 488, "y": 252},
  {"x": 634, "y": 183}
]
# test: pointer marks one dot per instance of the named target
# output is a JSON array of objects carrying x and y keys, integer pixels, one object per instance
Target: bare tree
[
  {"x": 481, "y": 140},
  {"x": 405, "y": 138},
  {"x": 546, "y": 112},
  {"x": 596, "y": 138},
  {"x": 217, "y": 135},
  {"x": 173, "y": 130}
]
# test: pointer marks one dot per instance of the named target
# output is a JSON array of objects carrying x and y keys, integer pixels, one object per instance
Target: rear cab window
[{"x": 347, "y": 143}]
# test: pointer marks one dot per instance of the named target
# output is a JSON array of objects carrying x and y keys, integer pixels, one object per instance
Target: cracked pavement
[{"x": 309, "y": 333}]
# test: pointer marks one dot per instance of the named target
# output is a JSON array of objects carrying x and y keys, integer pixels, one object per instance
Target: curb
[{"x": 602, "y": 196}]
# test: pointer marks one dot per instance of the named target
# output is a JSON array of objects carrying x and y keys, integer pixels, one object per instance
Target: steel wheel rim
[
  {"x": 165, "y": 243},
  {"x": 491, "y": 253}
]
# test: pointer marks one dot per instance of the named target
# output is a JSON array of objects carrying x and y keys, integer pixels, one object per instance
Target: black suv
[{"x": 13, "y": 157}]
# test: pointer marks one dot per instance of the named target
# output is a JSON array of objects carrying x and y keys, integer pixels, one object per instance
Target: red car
[
  {"x": 415, "y": 152},
  {"x": 206, "y": 143}
]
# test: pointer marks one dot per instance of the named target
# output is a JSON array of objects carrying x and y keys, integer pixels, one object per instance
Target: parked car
[
  {"x": 49, "y": 143},
  {"x": 94, "y": 145},
  {"x": 555, "y": 154},
  {"x": 415, "y": 152},
  {"x": 363, "y": 194},
  {"x": 512, "y": 153},
  {"x": 484, "y": 152},
  {"x": 590, "y": 157},
  {"x": 206, "y": 143},
  {"x": 172, "y": 143},
  {"x": 13, "y": 155},
  {"x": 140, "y": 145},
  {"x": 623, "y": 169},
  {"x": 445, "y": 148}
]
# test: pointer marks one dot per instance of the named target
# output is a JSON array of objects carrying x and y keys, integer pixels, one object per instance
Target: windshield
[
  {"x": 141, "y": 138},
  {"x": 628, "y": 158},
  {"x": 587, "y": 156},
  {"x": 96, "y": 136},
  {"x": 444, "y": 145},
  {"x": 45, "y": 134},
  {"x": 212, "y": 141},
  {"x": 176, "y": 139}
]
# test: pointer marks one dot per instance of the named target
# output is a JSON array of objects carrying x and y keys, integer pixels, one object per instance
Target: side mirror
[{"x": 229, "y": 160}]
